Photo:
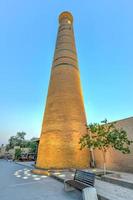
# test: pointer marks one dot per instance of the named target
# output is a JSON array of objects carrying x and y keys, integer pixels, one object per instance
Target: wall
[{"x": 115, "y": 159}]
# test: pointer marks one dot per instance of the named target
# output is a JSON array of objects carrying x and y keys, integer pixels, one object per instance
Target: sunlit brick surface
[
  {"x": 64, "y": 118},
  {"x": 115, "y": 159}
]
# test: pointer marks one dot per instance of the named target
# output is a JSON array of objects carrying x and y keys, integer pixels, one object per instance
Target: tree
[
  {"x": 104, "y": 136},
  {"x": 7, "y": 147},
  {"x": 17, "y": 154},
  {"x": 18, "y": 140},
  {"x": 12, "y": 142},
  {"x": 20, "y": 137},
  {"x": 33, "y": 145}
]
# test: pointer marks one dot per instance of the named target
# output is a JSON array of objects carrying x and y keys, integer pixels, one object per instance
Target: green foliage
[
  {"x": 104, "y": 136},
  {"x": 18, "y": 140},
  {"x": 33, "y": 147},
  {"x": 32, "y": 144},
  {"x": 21, "y": 135},
  {"x": 12, "y": 142},
  {"x": 17, "y": 154},
  {"x": 7, "y": 147}
]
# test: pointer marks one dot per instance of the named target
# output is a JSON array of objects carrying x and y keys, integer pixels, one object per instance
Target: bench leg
[
  {"x": 89, "y": 193},
  {"x": 67, "y": 187}
]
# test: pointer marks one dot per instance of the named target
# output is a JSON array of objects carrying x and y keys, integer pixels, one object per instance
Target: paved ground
[
  {"x": 27, "y": 164},
  {"x": 17, "y": 183},
  {"x": 123, "y": 175},
  {"x": 106, "y": 190}
]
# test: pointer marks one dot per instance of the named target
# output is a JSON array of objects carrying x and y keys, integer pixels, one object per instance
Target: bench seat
[
  {"x": 81, "y": 181},
  {"x": 76, "y": 184}
]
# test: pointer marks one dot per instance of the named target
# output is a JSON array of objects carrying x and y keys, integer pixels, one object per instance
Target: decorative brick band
[
  {"x": 58, "y": 49},
  {"x": 65, "y": 57},
  {"x": 70, "y": 65}
]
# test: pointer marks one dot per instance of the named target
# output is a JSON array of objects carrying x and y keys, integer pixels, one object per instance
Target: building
[
  {"x": 64, "y": 118},
  {"x": 11, "y": 152},
  {"x": 115, "y": 159}
]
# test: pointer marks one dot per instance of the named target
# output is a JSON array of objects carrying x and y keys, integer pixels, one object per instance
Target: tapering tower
[{"x": 64, "y": 118}]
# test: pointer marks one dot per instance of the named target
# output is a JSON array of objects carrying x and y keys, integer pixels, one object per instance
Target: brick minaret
[{"x": 64, "y": 118}]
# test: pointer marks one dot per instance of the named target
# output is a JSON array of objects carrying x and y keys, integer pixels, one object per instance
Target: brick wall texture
[
  {"x": 64, "y": 118},
  {"x": 115, "y": 159}
]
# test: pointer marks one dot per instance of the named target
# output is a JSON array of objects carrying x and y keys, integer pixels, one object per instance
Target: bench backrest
[{"x": 85, "y": 177}]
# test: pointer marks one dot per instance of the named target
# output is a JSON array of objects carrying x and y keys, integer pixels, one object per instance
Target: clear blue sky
[{"x": 104, "y": 40}]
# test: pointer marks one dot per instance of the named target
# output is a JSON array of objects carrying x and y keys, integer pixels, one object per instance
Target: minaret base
[{"x": 61, "y": 153}]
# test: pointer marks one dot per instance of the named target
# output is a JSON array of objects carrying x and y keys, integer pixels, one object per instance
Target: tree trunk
[
  {"x": 92, "y": 152},
  {"x": 92, "y": 157},
  {"x": 104, "y": 161}
]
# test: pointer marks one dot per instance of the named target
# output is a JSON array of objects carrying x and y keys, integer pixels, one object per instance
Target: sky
[{"x": 104, "y": 41}]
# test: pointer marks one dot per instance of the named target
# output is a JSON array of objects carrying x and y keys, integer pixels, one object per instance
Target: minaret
[{"x": 64, "y": 118}]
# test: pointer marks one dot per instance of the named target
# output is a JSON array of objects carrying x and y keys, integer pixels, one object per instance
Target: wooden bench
[{"x": 81, "y": 180}]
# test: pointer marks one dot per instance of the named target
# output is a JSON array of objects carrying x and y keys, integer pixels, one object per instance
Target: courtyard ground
[
  {"x": 17, "y": 183},
  {"x": 105, "y": 190}
]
